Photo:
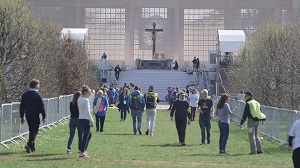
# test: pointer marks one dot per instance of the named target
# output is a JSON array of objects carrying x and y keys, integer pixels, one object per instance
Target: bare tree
[
  {"x": 267, "y": 65},
  {"x": 33, "y": 48},
  {"x": 16, "y": 24}
]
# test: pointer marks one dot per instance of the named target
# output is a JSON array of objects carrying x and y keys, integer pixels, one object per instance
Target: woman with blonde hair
[
  {"x": 193, "y": 102},
  {"x": 100, "y": 107},
  {"x": 85, "y": 120}
]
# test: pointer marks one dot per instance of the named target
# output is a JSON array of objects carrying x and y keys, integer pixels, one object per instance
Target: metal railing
[
  {"x": 11, "y": 129},
  {"x": 278, "y": 121}
]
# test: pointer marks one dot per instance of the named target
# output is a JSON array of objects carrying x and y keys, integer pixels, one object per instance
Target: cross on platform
[{"x": 153, "y": 31}]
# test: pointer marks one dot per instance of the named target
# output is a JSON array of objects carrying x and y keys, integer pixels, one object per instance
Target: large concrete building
[{"x": 117, "y": 27}]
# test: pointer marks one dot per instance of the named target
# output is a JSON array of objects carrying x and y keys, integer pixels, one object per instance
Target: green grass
[{"x": 118, "y": 147}]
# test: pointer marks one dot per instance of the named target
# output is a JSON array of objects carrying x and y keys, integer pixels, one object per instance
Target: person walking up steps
[
  {"x": 151, "y": 103},
  {"x": 74, "y": 123},
  {"x": 182, "y": 112},
  {"x": 206, "y": 110},
  {"x": 32, "y": 105},
  {"x": 117, "y": 72},
  {"x": 136, "y": 103}
]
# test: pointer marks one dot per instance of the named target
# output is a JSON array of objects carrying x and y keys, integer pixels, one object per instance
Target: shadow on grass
[
  {"x": 8, "y": 153},
  {"x": 275, "y": 150},
  {"x": 216, "y": 154},
  {"x": 119, "y": 134},
  {"x": 169, "y": 145},
  {"x": 48, "y": 159},
  {"x": 42, "y": 155}
]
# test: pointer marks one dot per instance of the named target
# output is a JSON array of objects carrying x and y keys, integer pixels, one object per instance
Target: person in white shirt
[
  {"x": 194, "y": 98},
  {"x": 85, "y": 120},
  {"x": 241, "y": 96},
  {"x": 294, "y": 143}
]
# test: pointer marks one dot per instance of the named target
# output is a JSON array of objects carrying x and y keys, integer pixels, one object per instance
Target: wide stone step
[{"x": 160, "y": 79}]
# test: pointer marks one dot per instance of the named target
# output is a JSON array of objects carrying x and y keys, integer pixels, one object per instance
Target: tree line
[
  {"x": 269, "y": 65},
  {"x": 33, "y": 48}
]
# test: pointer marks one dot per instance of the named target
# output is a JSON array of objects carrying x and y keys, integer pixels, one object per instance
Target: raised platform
[{"x": 153, "y": 64}]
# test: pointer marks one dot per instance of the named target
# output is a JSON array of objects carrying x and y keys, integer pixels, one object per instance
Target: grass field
[{"x": 118, "y": 147}]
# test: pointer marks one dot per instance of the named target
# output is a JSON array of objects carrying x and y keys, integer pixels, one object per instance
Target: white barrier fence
[
  {"x": 11, "y": 129},
  {"x": 277, "y": 124}
]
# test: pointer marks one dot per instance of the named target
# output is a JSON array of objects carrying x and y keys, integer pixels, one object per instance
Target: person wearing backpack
[
  {"x": 151, "y": 103},
  {"x": 136, "y": 103},
  {"x": 253, "y": 112}
]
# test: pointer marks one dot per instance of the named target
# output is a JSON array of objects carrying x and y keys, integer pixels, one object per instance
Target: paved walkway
[{"x": 161, "y": 105}]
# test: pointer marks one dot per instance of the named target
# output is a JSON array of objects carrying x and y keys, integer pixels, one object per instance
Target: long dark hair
[
  {"x": 76, "y": 96},
  {"x": 222, "y": 101}
]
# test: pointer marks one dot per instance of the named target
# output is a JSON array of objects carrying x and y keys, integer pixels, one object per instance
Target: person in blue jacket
[
  {"x": 136, "y": 103},
  {"x": 100, "y": 108},
  {"x": 111, "y": 95}
]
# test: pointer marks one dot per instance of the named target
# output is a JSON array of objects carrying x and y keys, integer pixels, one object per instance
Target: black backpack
[
  {"x": 150, "y": 100},
  {"x": 136, "y": 102}
]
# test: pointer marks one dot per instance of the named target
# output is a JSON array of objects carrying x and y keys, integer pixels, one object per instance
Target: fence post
[
  {"x": 1, "y": 126},
  {"x": 15, "y": 121}
]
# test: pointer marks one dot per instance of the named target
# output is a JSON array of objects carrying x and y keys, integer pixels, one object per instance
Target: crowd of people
[{"x": 183, "y": 105}]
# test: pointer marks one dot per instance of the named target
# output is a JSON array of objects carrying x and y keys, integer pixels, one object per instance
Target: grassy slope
[{"x": 118, "y": 147}]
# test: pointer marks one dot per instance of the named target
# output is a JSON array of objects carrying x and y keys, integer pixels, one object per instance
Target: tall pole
[
  {"x": 218, "y": 66},
  {"x": 154, "y": 41}
]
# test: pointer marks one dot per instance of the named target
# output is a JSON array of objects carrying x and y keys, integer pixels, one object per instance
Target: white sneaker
[{"x": 69, "y": 151}]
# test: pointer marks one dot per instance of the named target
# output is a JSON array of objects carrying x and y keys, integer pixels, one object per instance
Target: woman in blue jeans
[
  {"x": 100, "y": 107},
  {"x": 224, "y": 112},
  {"x": 85, "y": 120},
  {"x": 74, "y": 122},
  {"x": 123, "y": 98}
]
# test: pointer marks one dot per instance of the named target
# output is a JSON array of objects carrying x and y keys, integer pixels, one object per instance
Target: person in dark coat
[
  {"x": 176, "y": 66},
  {"x": 74, "y": 124},
  {"x": 117, "y": 72},
  {"x": 194, "y": 64},
  {"x": 182, "y": 111},
  {"x": 198, "y": 64},
  {"x": 123, "y": 98},
  {"x": 32, "y": 106}
]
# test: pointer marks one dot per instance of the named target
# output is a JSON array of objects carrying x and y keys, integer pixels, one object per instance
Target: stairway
[{"x": 160, "y": 79}]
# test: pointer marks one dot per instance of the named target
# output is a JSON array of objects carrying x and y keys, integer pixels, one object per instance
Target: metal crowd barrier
[
  {"x": 11, "y": 129},
  {"x": 278, "y": 121}
]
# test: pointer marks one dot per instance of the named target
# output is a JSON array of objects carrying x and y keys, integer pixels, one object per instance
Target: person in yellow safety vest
[{"x": 253, "y": 113}]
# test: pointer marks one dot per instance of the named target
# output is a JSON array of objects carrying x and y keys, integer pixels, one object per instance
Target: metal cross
[{"x": 154, "y": 31}]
